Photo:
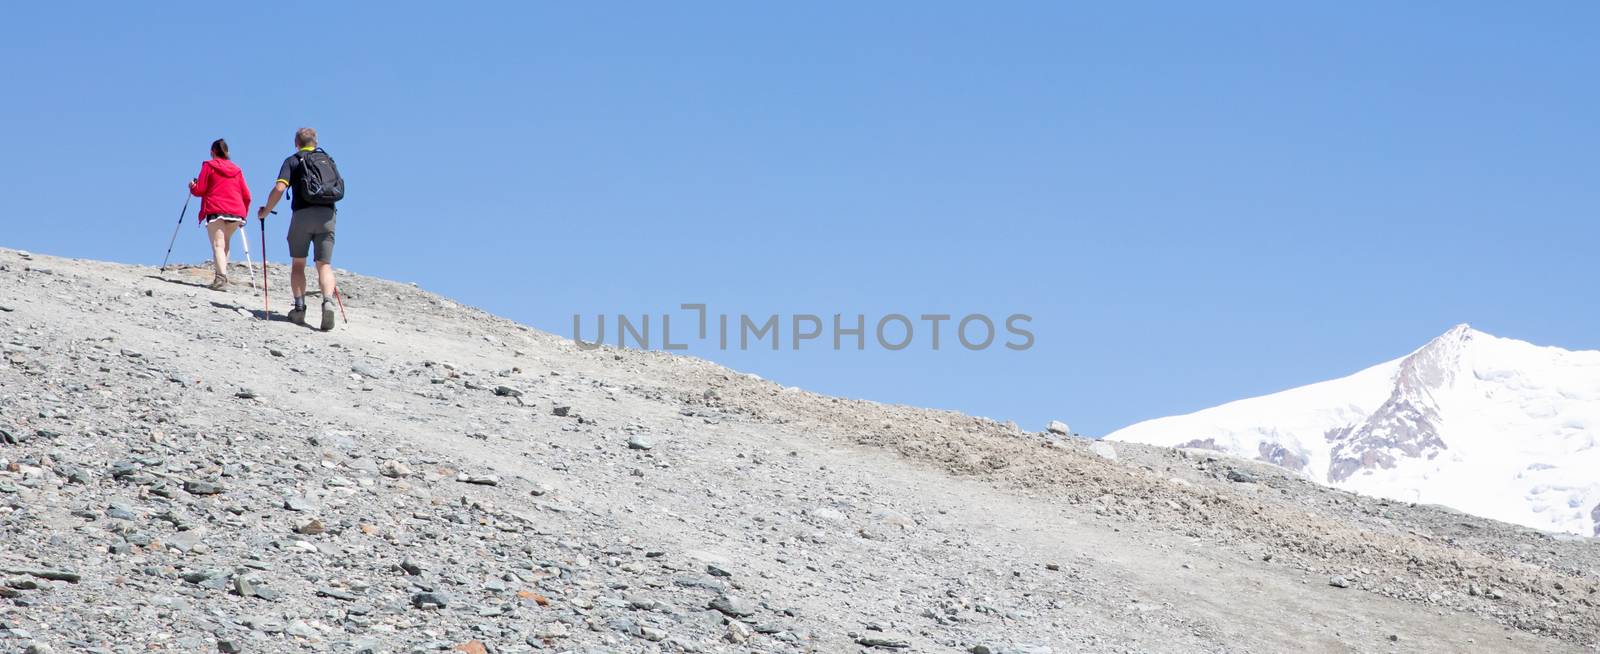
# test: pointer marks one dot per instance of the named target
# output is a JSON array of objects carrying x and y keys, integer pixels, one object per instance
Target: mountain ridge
[{"x": 178, "y": 474}]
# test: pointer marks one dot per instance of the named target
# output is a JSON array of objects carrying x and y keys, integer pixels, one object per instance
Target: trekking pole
[
  {"x": 266, "y": 300},
  {"x": 340, "y": 300},
  {"x": 244, "y": 238},
  {"x": 174, "y": 240}
]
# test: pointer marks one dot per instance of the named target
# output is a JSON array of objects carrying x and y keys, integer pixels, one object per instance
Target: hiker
[
  {"x": 224, "y": 201},
  {"x": 317, "y": 186}
]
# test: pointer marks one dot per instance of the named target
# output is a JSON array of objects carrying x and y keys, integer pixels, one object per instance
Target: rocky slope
[
  {"x": 1491, "y": 426},
  {"x": 177, "y": 474}
]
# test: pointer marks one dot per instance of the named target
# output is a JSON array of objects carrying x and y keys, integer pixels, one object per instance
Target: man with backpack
[{"x": 317, "y": 187}]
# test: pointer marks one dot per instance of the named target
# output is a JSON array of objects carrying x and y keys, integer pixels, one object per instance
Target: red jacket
[{"x": 221, "y": 188}]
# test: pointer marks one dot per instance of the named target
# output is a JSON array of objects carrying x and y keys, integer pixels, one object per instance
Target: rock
[
  {"x": 507, "y": 391},
  {"x": 1104, "y": 450},
  {"x": 411, "y": 567},
  {"x": 471, "y": 647},
  {"x": 1058, "y": 427},
  {"x": 310, "y": 527},
  {"x": 52, "y": 575},
  {"x": 301, "y": 629},
  {"x": 298, "y": 504},
  {"x": 245, "y": 394},
  {"x": 430, "y": 600},
  {"x": 717, "y": 571},
  {"x": 201, "y": 487},
  {"x": 335, "y": 593},
  {"x": 74, "y": 474},
  {"x": 394, "y": 469},
  {"x": 362, "y": 646},
  {"x": 561, "y": 411},
  {"x": 244, "y": 586},
  {"x": 1339, "y": 582},
  {"x": 1240, "y": 476},
  {"x": 478, "y": 480},
  {"x": 366, "y": 371},
  {"x": 883, "y": 641},
  {"x": 229, "y": 646},
  {"x": 550, "y": 631},
  {"x": 733, "y": 606},
  {"x": 738, "y": 632},
  {"x": 637, "y": 442}
]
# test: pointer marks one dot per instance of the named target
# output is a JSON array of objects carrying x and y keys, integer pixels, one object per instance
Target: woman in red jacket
[{"x": 224, "y": 199}]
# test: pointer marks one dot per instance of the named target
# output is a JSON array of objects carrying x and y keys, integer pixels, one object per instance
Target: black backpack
[{"x": 320, "y": 182}]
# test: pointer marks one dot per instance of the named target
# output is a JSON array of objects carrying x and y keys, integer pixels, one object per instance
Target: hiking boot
[
  {"x": 218, "y": 283},
  {"x": 297, "y": 315},
  {"x": 327, "y": 315}
]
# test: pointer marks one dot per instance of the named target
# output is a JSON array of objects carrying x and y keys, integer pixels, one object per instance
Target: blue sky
[{"x": 1195, "y": 202}]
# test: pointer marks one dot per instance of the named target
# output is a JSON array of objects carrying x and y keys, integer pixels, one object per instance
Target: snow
[{"x": 1491, "y": 426}]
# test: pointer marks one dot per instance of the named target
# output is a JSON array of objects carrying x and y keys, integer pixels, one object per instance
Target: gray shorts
[{"x": 312, "y": 225}]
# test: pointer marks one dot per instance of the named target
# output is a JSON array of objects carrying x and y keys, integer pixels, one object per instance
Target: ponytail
[{"x": 219, "y": 149}]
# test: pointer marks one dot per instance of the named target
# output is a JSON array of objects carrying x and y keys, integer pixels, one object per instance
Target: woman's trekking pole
[
  {"x": 245, "y": 238},
  {"x": 174, "y": 240},
  {"x": 340, "y": 298}
]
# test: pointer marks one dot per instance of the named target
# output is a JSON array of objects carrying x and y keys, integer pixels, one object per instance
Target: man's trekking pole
[
  {"x": 244, "y": 238},
  {"x": 266, "y": 301},
  {"x": 174, "y": 240},
  {"x": 340, "y": 300}
]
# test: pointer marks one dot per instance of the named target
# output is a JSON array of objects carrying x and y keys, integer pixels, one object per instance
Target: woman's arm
[{"x": 200, "y": 184}]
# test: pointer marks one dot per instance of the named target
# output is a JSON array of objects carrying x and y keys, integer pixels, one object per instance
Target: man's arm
[
  {"x": 285, "y": 174},
  {"x": 272, "y": 199}
]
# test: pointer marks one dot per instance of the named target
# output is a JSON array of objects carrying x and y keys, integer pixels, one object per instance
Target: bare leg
[
  {"x": 297, "y": 277},
  {"x": 228, "y": 228},
  {"x": 219, "y": 245},
  {"x": 324, "y": 280}
]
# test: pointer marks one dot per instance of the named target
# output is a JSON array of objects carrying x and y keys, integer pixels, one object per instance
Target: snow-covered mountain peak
[{"x": 1488, "y": 425}]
